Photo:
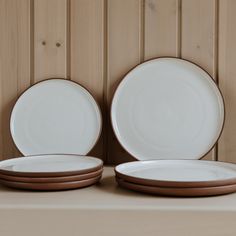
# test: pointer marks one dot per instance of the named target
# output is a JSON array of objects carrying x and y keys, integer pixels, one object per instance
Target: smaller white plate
[
  {"x": 55, "y": 116},
  {"x": 178, "y": 173},
  {"x": 50, "y": 165}
]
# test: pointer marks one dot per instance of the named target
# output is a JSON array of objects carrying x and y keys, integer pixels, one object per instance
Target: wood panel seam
[
  {"x": 216, "y": 57},
  {"x": 32, "y": 79},
  {"x": 68, "y": 39},
  {"x": 106, "y": 110},
  {"x": 142, "y": 30},
  {"x": 179, "y": 28}
]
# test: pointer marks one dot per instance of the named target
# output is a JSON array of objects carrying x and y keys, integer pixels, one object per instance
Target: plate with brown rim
[
  {"x": 178, "y": 173},
  {"x": 55, "y": 116},
  {"x": 59, "y": 179},
  {"x": 167, "y": 108},
  {"x": 50, "y": 165},
  {"x": 51, "y": 186}
]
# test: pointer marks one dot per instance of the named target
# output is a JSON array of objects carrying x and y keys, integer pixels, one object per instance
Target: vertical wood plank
[
  {"x": 161, "y": 28},
  {"x": 88, "y": 52},
  {"x": 227, "y": 76},
  {"x": 199, "y": 37},
  {"x": 14, "y": 64},
  {"x": 125, "y": 50},
  {"x": 126, "y": 47},
  {"x": 50, "y": 39}
]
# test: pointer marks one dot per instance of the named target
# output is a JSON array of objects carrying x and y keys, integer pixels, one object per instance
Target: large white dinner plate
[
  {"x": 178, "y": 173},
  {"x": 55, "y": 116},
  {"x": 167, "y": 108},
  {"x": 50, "y": 165}
]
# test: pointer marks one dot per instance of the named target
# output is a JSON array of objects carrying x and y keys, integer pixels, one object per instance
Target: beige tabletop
[{"x": 106, "y": 209}]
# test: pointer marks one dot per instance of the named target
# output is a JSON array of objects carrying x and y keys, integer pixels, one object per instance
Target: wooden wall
[{"x": 95, "y": 42}]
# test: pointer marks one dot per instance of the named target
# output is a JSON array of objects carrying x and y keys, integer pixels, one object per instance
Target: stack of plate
[
  {"x": 184, "y": 178},
  {"x": 166, "y": 111},
  {"x": 55, "y": 123},
  {"x": 51, "y": 172}
]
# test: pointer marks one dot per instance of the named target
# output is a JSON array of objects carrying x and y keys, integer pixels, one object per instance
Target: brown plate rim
[
  {"x": 59, "y": 179},
  {"x": 52, "y": 174},
  {"x": 178, "y": 192},
  {"x": 176, "y": 184},
  {"x": 173, "y": 57},
  {"x": 51, "y": 186}
]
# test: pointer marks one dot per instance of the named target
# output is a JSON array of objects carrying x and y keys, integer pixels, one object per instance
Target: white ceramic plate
[
  {"x": 167, "y": 108},
  {"x": 50, "y": 165},
  {"x": 55, "y": 116},
  {"x": 58, "y": 179},
  {"x": 178, "y": 173}
]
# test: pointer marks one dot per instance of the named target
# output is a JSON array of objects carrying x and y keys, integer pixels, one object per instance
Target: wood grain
[
  {"x": 50, "y": 39},
  {"x": 88, "y": 52},
  {"x": 161, "y": 28},
  {"x": 14, "y": 64},
  {"x": 227, "y": 75},
  {"x": 96, "y": 42},
  {"x": 198, "y": 36},
  {"x": 125, "y": 50}
]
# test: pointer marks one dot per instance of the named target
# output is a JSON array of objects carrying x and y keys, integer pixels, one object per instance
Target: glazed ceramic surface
[
  {"x": 50, "y": 165},
  {"x": 51, "y": 186},
  {"x": 178, "y": 173},
  {"x": 167, "y": 108},
  {"x": 178, "y": 192},
  {"x": 59, "y": 179},
  {"x": 55, "y": 116}
]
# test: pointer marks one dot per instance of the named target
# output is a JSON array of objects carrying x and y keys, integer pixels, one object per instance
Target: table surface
[
  {"x": 108, "y": 195},
  {"x": 106, "y": 209}
]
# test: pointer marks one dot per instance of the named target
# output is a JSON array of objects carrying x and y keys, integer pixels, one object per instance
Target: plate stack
[
  {"x": 168, "y": 113},
  {"x": 183, "y": 178},
  {"x": 51, "y": 172},
  {"x": 55, "y": 124}
]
